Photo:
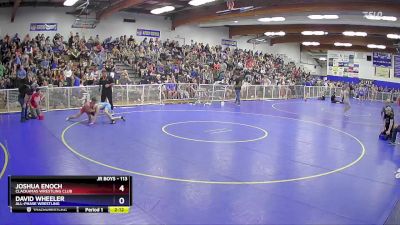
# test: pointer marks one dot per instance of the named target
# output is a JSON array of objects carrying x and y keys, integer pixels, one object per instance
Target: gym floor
[{"x": 265, "y": 162}]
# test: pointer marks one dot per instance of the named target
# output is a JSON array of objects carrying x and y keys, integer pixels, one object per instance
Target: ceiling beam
[
  {"x": 32, "y": 4},
  {"x": 353, "y": 48},
  {"x": 298, "y": 28},
  {"x": 201, "y": 15},
  {"x": 17, "y": 3},
  {"x": 108, "y": 11},
  {"x": 331, "y": 39}
]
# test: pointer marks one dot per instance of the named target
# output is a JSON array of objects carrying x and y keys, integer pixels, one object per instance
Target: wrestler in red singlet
[{"x": 88, "y": 108}]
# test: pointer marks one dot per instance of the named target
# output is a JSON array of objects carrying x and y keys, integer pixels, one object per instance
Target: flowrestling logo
[
  {"x": 148, "y": 33},
  {"x": 43, "y": 27},
  {"x": 228, "y": 42}
]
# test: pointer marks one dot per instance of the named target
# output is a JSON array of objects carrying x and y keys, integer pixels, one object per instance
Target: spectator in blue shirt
[
  {"x": 54, "y": 65},
  {"x": 17, "y": 60},
  {"x": 160, "y": 69},
  {"x": 16, "y": 39},
  {"x": 194, "y": 74},
  {"x": 45, "y": 63},
  {"x": 77, "y": 81},
  {"x": 175, "y": 69},
  {"x": 21, "y": 73},
  {"x": 170, "y": 87}
]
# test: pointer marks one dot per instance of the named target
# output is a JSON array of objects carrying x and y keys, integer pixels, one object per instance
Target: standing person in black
[
  {"x": 25, "y": 91},
  {"x": 238, "y": 88},
  {"x": 388, "y": 119},
  {"x": 106, "y": 83}
]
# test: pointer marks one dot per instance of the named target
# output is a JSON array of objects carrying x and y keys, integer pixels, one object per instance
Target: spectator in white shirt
[{"x": 68, "y": 75}]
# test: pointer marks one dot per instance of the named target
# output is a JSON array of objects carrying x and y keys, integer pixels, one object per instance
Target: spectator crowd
[
  {"x": 77, "y": 61},
  {"x": 365, "y": 90}
]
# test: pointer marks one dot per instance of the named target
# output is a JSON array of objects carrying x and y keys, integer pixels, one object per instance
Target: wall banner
[
  {"x": 397, "y": 66},
  {"x": 148, "y": 33},
  {"x": 228, "y": 42},
  {"x": 43, "y": 27},
  {"x": 382, "y": 59}
]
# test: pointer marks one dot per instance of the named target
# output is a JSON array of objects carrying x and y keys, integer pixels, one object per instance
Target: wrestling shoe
[
  {"x": 393, "y": 143},
  {"x": 113, "y": 122},
  {"x": 123, "y": 118}
]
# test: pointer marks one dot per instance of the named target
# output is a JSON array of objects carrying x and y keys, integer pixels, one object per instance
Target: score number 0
[{"x": 122, "y": 199}]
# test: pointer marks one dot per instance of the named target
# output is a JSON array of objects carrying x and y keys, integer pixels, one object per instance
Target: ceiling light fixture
[
  {"x": 162, "y": 10},
  {"x": 384, "y": 18},
  {"x": 352, "y": 34},
  {"x": 393, "y": 36},
  {"x": 339, "y": 44},
  {"x": 200, "y": 2},
  {"x": 318, "y": 33},
  {"x": 307, "y": 43},
  {"x": 70, "y": 2},
  {"x": 272, "y": 19},
  {"x": 280, "y": 33},
  {"x": 376, "y": 46},
  {"x": 323, "y": 17},
  {"x": 322, "y": 59}
]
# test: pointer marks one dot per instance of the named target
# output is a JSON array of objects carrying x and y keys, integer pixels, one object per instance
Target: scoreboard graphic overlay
[{"x": 70, "y": 194}]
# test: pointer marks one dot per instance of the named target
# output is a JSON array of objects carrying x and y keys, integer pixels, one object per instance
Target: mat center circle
[
  {"x": 160, "y": 171},
  {"x": 215, "y": 132}
]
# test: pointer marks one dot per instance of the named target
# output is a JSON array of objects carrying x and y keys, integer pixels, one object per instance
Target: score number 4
[{"x": 121, "y": 200}]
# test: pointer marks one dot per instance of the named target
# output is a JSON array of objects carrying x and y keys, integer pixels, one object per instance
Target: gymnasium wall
[
  {"x": 111, "y": 26},
  {"x": 114, "y": 26},
  {"x": 367, "y": 70},
  {"x": 324, "y": 70},
  {"x": 310, "y": 65}
]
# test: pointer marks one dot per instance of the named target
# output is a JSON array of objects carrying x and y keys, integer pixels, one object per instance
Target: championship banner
[
  {"x": 382, "y": 72},
  {"x": 228, "y": 42},
  {"x": 43, "y": 27},
  {"x": 397, "y": 66},
  {"x": 148, "y": 33},
  {"x": 382, "y": 59},
  {"x": 342, "y": 63},
  {"x": 85, "y": 24}
]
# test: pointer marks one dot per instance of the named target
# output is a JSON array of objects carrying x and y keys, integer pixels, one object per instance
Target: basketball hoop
[{"x": 230, "y": 4}]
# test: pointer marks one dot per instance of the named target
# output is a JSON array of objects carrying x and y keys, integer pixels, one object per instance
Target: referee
[
  {"x": 106, "y": 83},
  {"x": 238, "y": 88}
]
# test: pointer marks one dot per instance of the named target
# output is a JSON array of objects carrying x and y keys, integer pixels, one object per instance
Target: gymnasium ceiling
[{"x": 350, "y": 12}]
